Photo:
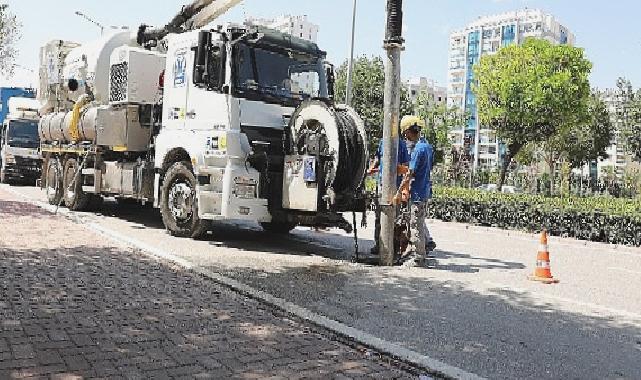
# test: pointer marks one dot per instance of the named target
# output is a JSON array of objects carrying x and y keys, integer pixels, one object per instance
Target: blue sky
[{"x": 608, "y": 30}]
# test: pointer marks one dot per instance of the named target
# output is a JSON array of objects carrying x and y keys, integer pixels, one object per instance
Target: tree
[
  {"x": 629, "y": 117},
  {"x": 578, "y": 144},
  {"x": 527, "y": 92},
  {"x": 440, "y": 120},
  {"x": 9, "y": 36},
  {"x": 368, "y": 94}
]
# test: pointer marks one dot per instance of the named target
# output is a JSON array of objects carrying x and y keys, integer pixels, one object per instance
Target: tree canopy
[
  {"x": 528, "y": 92},
  {"x": 368, "y": 94},
  {"x": 629, "y": 115},
  {"x": 440, "y": 120}
]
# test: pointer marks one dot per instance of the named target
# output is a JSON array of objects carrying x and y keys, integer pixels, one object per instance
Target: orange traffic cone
[{"x": 543, "y": 272}]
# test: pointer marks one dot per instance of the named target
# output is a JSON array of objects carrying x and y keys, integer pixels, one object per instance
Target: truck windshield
[
  {"x": 23, "y": 134},
  {"x": 286, "y": 78}
]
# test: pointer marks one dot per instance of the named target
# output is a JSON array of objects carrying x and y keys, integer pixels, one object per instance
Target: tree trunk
[
  {"x": 552, "y": 177},
  {"x": 506, "y": 164},
  {"x": 512, "y": 151}
]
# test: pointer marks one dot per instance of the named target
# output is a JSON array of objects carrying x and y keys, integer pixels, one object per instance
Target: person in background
[{"x": 420, "y": 184}]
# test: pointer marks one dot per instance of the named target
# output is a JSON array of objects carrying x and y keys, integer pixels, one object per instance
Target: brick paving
[{"x": 74, "y": 305}]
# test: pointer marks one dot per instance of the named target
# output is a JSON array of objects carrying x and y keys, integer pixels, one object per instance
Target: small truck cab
[{"x": 19, "y": 143}]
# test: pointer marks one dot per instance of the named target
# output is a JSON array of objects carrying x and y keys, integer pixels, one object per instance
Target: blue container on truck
[{"x": 7, "y": 93}]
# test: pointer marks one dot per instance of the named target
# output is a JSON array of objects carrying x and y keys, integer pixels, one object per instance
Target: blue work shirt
[
  {"x": 421, "y": 164},
  {"x": 403, "y": 159}
]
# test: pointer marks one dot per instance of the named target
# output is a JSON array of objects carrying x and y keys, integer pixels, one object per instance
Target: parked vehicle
[
  {"x": 19, "y": 143},
  {"x": 492, "y": 188},
  {"x": 237, "y": 123}
]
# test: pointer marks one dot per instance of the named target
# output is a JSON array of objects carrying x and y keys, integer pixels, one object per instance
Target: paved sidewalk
[{"x": 73, "y": 305}]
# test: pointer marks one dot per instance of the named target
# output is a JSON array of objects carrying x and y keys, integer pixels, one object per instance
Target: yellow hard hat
[{"x": 410, "y": 120}]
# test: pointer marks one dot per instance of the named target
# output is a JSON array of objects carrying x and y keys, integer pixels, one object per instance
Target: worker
[
  {"x": 402, "y": 163},
  {"x": 420, "y": 184}
]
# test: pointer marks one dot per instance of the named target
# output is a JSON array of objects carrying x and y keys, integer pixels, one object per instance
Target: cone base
[{"x": 545, "y": 280}]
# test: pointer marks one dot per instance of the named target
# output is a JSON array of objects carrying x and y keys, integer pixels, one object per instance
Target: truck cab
[
  {"x": 251, "y": 112},
  {"x": 19, "y": 143}
]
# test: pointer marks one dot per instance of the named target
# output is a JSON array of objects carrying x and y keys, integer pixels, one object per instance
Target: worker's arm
[{"x": 403, "y": 192}]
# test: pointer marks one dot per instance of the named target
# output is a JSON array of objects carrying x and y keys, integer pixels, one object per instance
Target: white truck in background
[
  {"x": 232, "y": 123},
  {"x": 19, "y": 142}
]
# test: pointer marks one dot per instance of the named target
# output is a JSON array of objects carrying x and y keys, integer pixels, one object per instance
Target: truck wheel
[
  {"x": 53, "y": 182},
  {"x": 75, "y": 198},
  {"x": 179, "y": 205},
  {"x": 280, "y": 228}
]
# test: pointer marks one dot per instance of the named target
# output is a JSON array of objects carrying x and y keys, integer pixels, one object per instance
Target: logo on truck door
[{"x": 180, "y": 69}]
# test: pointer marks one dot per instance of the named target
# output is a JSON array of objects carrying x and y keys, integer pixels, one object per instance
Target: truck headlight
[{"x": 10, "y": 158}]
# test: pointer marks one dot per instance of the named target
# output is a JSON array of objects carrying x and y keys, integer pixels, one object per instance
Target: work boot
[{"x": 430, "y": 246}]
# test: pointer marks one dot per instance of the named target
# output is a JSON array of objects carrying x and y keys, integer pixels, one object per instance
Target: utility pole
[
  {"x": 393, "y": 46},
  {"x": 350, "y": 69}
]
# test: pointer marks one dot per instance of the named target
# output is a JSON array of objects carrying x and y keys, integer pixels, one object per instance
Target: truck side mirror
[
  {"x": 209, "y": 63},
  {"x": 331, "y": 80}
]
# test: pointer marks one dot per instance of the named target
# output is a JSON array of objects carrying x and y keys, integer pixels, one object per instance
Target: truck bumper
[{"x": 24, "y": 169}]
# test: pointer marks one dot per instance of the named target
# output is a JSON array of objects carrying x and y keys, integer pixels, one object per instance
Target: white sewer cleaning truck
[{"x": 237, "y": 122}]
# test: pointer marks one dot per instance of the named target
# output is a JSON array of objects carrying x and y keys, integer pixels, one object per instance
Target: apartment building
[
  {"x": 297, "y": 26},
  {"x": 437, "y": 95},
  {"x": 487, "y": 35}
]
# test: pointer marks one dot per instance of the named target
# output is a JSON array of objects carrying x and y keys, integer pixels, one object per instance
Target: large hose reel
[{"x": 337, "y": 135}]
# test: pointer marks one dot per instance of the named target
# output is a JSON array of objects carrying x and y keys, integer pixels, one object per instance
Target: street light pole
[
  {"x": 350, "y": 68},
  {"x": 393, "y": 46},
  {"x": 102, "y": 27}
]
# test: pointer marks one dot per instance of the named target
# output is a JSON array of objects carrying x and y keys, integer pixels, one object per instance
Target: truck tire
[
  {"x": 53, "y": 182},
  {"x": 279, "y": 228},
  {"x": 75, "y": 198},
  {"x": 179, "y": 205}
]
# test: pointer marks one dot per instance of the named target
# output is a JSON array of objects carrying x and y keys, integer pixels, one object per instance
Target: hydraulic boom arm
[{"x": 192, "y": 16}]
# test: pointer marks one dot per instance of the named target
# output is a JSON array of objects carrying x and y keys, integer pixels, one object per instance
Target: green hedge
[{"x": 615, "y": 221}]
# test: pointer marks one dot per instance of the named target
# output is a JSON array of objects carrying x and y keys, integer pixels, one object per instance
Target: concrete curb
[{"x": 432, "y": 366}]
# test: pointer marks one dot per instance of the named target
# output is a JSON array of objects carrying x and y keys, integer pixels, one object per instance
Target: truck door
[
  {"x": 206, "y": 105},
  {"x": 176, "y": 88}
]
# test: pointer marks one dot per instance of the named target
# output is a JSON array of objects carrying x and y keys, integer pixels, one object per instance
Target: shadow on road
[
  {"x": 498, "y": 333},
  {"x": 478, "y": 263}
]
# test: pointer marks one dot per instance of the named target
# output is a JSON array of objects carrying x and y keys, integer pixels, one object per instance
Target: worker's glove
[
  {"x": 405, "y": 195},
  {"x": 402, "y": 169}
]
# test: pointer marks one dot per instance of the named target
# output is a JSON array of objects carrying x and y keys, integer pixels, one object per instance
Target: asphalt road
[{"x": 473, "y": 308}]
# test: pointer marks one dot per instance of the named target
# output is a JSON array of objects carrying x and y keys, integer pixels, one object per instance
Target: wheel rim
[
  {"x": 52, "y": 181},
  {"x": 181, "y": 201},
  {"x": 70, "y": 191}
]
